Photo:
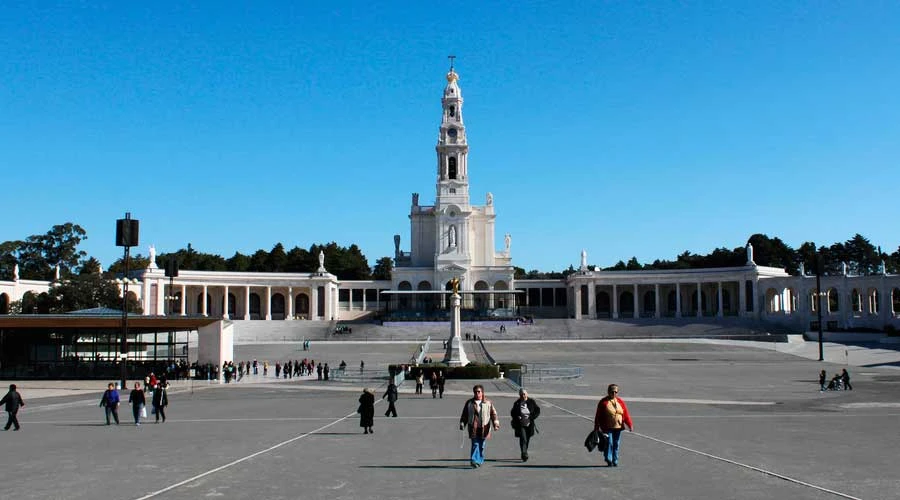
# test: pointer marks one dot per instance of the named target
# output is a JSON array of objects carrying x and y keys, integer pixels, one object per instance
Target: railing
[
  {"x": 417, "y": 359},
  {"x": 539, "y": 372}
]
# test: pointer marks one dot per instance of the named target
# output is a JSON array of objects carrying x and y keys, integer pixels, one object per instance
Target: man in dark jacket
[
  {"x": 391, "y": 395},
  {"x": 13, "y": 401},
  {"x": 160, "y": 401},
  {"x": 524, "y": 412}
]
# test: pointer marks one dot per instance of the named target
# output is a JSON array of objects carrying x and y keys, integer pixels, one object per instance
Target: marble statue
[
  {"x": 16, "y": 272},
  {"x": 452, "y": 236},
  {"x": 321, "y": 261},
  {"x": 584, "y": 260},
  {"x": 152, "y": 258},
  {"x": 415, "y": 199},
  {"x": 397, "y": 245},
  {"x": 507, "y": 239},
  {"x": 490, "y": 199},
  {"x": 802, "y": 269},
  {"x": 750, "y": 254}
]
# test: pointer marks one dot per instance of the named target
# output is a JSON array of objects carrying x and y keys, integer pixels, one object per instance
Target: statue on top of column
[
  {"x": 16, "y": 272},
  {"x": 415, "y": 199},
  {"x": 152, "y": 258},
  {"x": 454, "y": 283},
  {"x": 490, "y": 199},
  {"x": 507, "y": 239},
  {"x": 321, "y": 262},
  {"x": 750, "y": 254},
  {"x": 584, "y": 266}
]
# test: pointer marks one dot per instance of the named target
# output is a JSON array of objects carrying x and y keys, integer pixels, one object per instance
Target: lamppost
[
  {"x": 819, "y": 303},
  {"x": 126, "y": 236}
]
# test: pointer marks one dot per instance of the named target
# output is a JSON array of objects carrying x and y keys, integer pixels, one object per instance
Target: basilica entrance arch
[
  {"x": 301, "y": 305},
  {"x": 604, "y": 306}
]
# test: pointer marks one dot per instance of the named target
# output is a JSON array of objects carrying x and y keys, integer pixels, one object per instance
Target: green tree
[
  {"x": 238, "y": 263},
  {"x": 86, "y": 291},
  {"x": 633, "y": 265},
  {"x": 276, "y": 262},
  {"x": 383, "y": 268}
]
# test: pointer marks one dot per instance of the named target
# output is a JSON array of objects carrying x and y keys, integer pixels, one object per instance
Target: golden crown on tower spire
[{"x": 452, "y": 76}]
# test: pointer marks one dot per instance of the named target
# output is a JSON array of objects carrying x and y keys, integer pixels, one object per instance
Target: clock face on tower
[{"x": 452, "y": 133}]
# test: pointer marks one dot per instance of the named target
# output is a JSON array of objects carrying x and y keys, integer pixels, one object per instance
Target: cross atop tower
[{"x": 451, "y": 57}]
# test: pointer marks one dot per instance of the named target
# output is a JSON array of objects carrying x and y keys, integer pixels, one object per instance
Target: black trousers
[
  {"x": 13, "y": 420},
  {"x": 160, "y": 412},
  {"x": 391, "y": 411},
  {"x": 114, "y": 411}
]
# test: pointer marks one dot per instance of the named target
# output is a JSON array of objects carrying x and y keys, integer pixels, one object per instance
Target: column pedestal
[{"x": 456, "y": 355}]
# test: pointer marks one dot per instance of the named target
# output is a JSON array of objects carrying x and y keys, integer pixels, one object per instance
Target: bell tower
[{"x": 452, "y": 148}]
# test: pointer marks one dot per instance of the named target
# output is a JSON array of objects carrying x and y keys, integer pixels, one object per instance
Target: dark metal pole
[
  {"x": 124, "y": 350},
  {"x": 819, "y": 303}
]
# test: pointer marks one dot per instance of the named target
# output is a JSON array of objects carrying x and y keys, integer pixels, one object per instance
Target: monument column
[{"x": 455, "y": 355}]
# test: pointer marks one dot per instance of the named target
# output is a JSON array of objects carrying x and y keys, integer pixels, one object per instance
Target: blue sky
[{"x": 626, "y": 128}]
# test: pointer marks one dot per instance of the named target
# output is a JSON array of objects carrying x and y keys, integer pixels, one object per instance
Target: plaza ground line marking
[
  {"x": 244, "y": 459},
  {"x": 723, "y": 459}
]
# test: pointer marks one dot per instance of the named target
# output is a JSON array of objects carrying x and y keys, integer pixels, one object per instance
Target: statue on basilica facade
[
  {"x": 490, "y": 199},
  {"x": 507, "y": 239},
  {"x": 750, "y": 255},
  {"x": 451, "y": 236},
  {"x": 321, "y": 262},
  {"x": 584, "y": 265},
  {"x": 152, "y": 258},
  {"x": 415, "y": 199}
]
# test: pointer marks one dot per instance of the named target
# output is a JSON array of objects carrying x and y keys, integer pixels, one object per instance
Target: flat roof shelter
[{"x": 87, "y": 344}]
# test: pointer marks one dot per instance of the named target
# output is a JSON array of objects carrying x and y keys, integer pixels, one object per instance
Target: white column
[
  {"x": 161, "y": 302},
  {"x": 364, "y": 299},
  {"x": 203, "y": 303},
  {"x": 247, "y": 303},
  {"x": 577, "y": 301},
  {"x": 615, "y": 302},
  {"x": 183, "y": 303},
  {"x": 313, "y": 302},
  {"x": 145, "y": 296},
  {"x": 268, "y": 303},
  {"x": 225, "y": 303},
  {"x": 290, "y": 303},
  {"x": 755, "y": 297},
  {"x": 742, "y": 297},
  {"x": 720, "y": 313},
  {"x": 637, "y": 303},
  {"x": 699, "y": 301},
  {"x": 329, "y": 312},
  {"x": 677, "y": 300},
  {"x": 592, "y": 299},
  {"x": 656, "y": 313}
]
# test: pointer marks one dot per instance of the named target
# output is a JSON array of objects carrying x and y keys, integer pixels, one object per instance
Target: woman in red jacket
[{"x": 612, "y": 417}]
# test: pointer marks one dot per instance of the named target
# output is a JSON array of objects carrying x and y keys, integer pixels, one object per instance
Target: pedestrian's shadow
[
  {"x": 414, "y": 467},
  {"x": 83, "y": 424},
  {"x": 336, "y": 434},
  {"x": 551, "y": 466}
]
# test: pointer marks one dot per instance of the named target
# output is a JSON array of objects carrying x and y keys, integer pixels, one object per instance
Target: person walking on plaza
[
  {"x": 441, "y": 379},
  {"x": 478, "y": 417},
  {"x": 524, "y": 412},
  {"x": 845, "y": 380},
  {"x": 420, "y": 382},
  {"x": 367, "y": 411},
  {"x": 110, "y": 402},
  {"x": 432, "y": 383},
  {"x": 137, "y": 400},
  {"x": 160, "y": 401},
  {"x": 611, "y": 418},
  {"x": 12, "y": 401},
  {"x": 822, "y": 378},
  {"x": 391, "y": 395}
]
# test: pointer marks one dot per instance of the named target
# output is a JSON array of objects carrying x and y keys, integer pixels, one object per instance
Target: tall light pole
[
  {"x": 172, "y": 273},
  {"x": 126, "y": 236},
  {"x": 819, "y": 302}
]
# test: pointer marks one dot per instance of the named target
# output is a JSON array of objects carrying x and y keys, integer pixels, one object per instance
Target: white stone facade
[{"x": 455, "y": 239}]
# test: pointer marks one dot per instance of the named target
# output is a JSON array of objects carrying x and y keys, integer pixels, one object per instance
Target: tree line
[{"x": 82, "y": 285}]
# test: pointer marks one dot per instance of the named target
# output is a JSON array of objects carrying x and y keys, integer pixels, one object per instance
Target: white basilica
[{"x": 455, "y": 239}]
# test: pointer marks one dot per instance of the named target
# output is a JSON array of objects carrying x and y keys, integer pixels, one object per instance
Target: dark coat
[
  {"x": 366, "y": 410},
  {"x": 12, "y": 401},
  {"x": 136, "y": 398},
  {"x": 160, "y": 398},
  {"x": 391, "y": 393},
  {"x": 533, "y": 409}
]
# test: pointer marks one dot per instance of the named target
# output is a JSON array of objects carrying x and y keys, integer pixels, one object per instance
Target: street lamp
[
  {"x": 819, "y": 302},
  {"x": 126, "y": 236}
]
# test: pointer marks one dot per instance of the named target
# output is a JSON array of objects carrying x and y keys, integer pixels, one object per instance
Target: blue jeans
[
  {"x": 612, "y": 451},
  {"x": 477, "y": 455}
]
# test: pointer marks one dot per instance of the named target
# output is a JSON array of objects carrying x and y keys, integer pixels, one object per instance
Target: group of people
[
  {"x": 840, "y": 381},
  {"x": 479, "y": 419},
  {"x": 111, "y": 400},
  {"x": 436, "y": 382}
]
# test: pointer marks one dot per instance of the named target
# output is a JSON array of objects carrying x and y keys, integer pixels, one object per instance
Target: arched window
[
  {"x": 277, "y": 306},
  {"x": 834, "y": 301},
  {"x": 451, "y": 167},
  {"x": 4, "y": 303},
  {"x": 855, "y": 301},
  {"x": 873, "y": 301},
  {"x": 626, "y": 305},
  {"x": 895, "y": 301},
  {"x": 650, "y": 301},
  {"x": 301, "y": 307},
  {"x": 603, "y": 304},
  {"x": 255, "y": 307}
]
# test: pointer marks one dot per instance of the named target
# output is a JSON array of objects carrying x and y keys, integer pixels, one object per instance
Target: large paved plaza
[{"x": 712, "y": 421}]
